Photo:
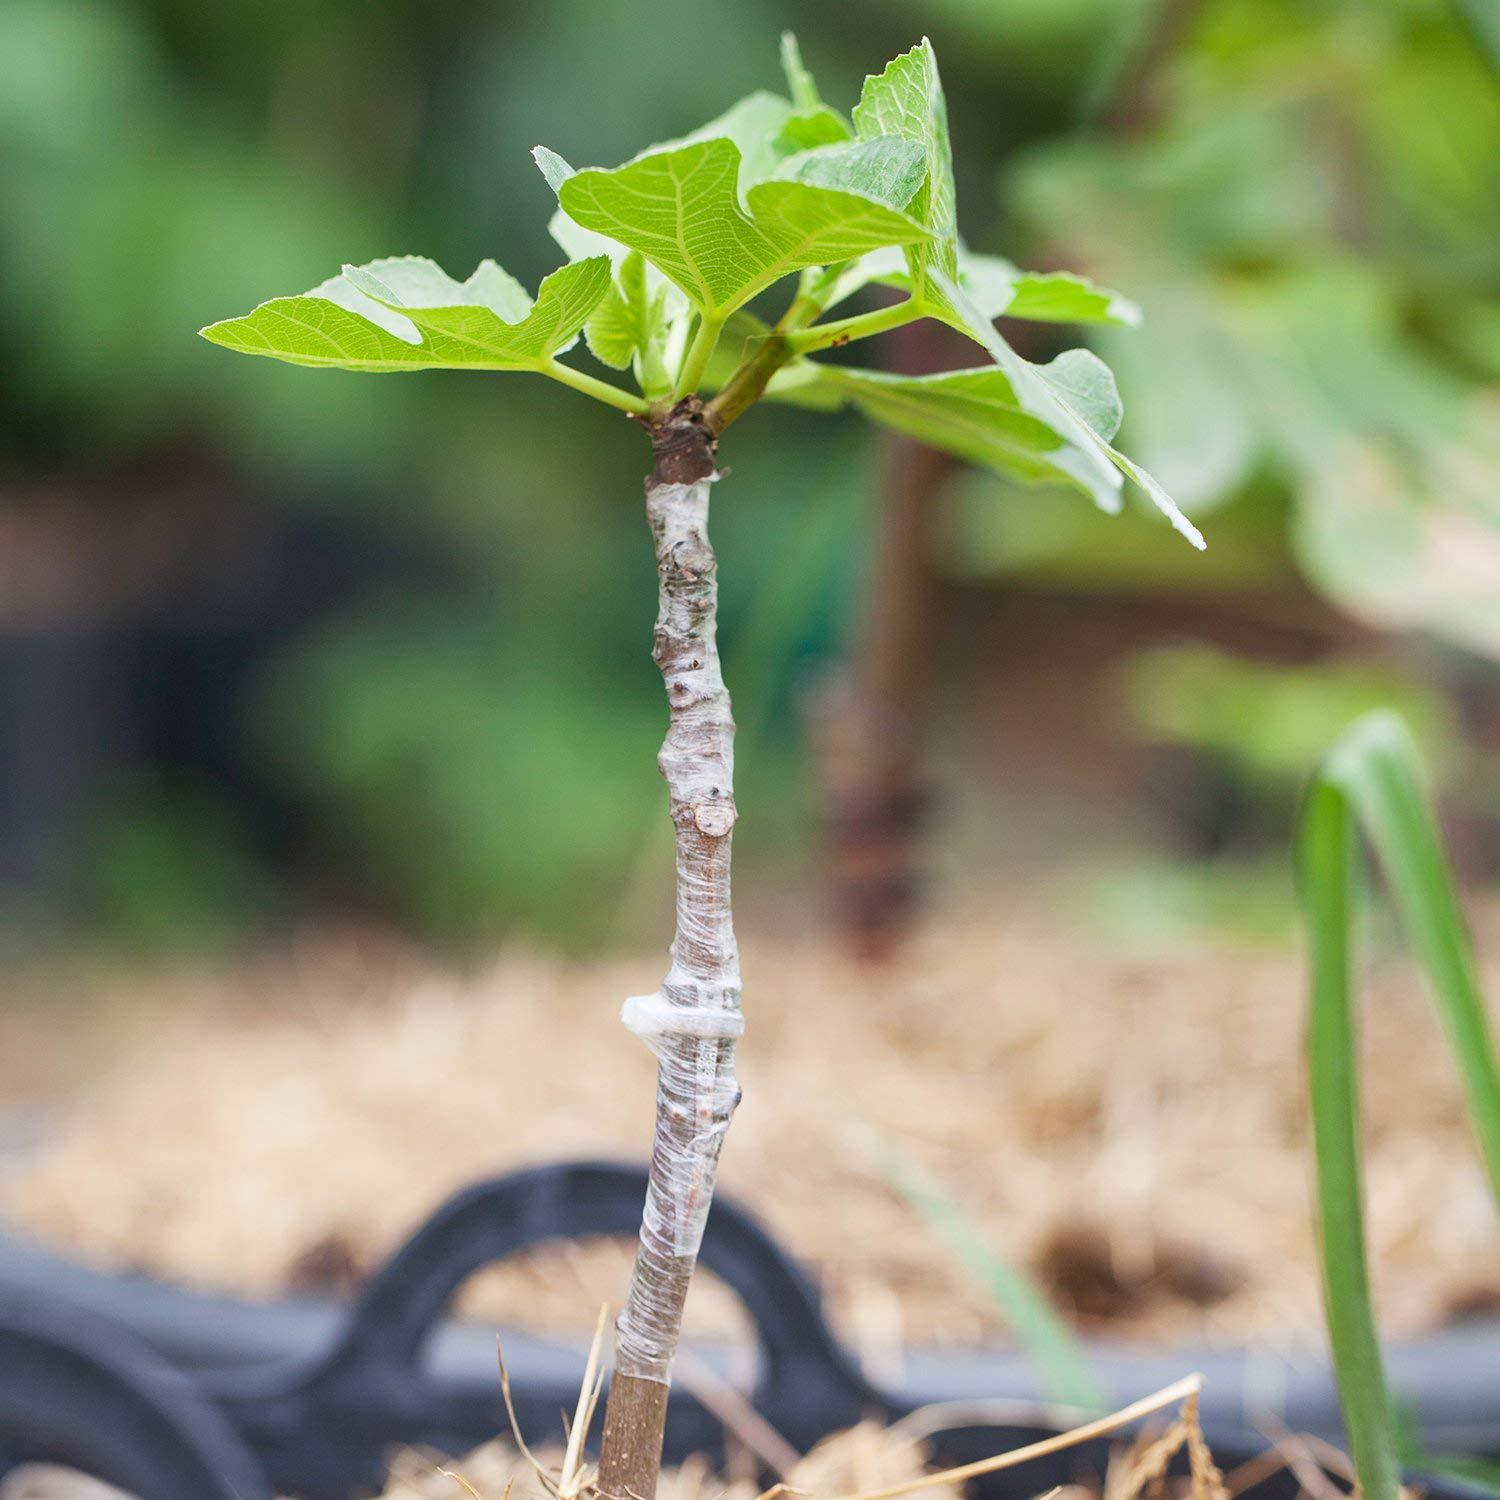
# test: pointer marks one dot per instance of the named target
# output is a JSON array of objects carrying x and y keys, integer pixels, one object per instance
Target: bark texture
[{"x": 693, "y": 1020}]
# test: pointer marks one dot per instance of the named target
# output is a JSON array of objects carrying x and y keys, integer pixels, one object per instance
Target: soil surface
[{"x": 1131, "y": 1130}]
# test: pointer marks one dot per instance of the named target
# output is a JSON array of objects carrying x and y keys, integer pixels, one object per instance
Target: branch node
[
  {"x": 682, "y": 443},
  {"x": 714, "y": 819}
]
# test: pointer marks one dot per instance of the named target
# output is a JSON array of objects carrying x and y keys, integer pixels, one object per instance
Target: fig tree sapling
[{"x": 664, "y": 253}]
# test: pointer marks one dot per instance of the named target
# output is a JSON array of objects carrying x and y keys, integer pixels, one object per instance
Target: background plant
[{"x": 1300, "y": 194}]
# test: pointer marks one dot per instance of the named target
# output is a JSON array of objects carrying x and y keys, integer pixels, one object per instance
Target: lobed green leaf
[
  {"x": 755, "y": 125},
  {"x": 999, "y": 288},
  {"x": 982, "y": 416},
  {"x": 641, "y": 322},
  {"x": 406, "y": 313},
  {"x": 906, "y": 100},
  {"x": 1060, "y": 409},
  {"x": 687, "y": 212}
]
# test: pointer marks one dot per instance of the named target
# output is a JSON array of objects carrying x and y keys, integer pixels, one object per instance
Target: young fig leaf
[
  {"x": 799, "y": 81},
  {"x": 682, "y": 210},
  {"x": 1060, "y": 409},
  {"x": 999, "y": 289},
  {"x": 814, "y": 127},
  {"x": 1061, "y": 297},
  {"x": 632, "y": 326},
  {"x": 642, "y": 317},
  {"x": 984, "y": 417},
  {"x": 907, "y": 100},
  {"x": 405, "y": 313}
]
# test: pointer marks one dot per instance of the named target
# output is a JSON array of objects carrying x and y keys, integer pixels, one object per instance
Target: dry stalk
[
  {"x": 459, "y": 1479},
  {"x": 1181, "y": 1390},
  {"x": 865, "y": 1453},
  {"x": 571, "y": 1481},
  {"x": 538, "y": 1468},
  {"x": 737, "y": 1416},
  {"x": 1299, "y": 1454}
]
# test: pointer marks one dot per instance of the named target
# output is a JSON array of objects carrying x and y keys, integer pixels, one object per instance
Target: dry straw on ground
[
  {"x": 1130, "y": 1129},
  {"x": 867, "y": 1462}
]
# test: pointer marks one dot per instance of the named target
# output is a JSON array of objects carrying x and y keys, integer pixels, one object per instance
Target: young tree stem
[{"x": 692, "y": 1022}]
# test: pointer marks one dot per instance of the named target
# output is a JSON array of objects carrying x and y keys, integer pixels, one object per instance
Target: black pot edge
[{"x": 1450, "y": 1382}]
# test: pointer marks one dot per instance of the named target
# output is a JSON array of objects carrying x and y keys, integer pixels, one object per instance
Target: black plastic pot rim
[
  {"x": 320, "y": 1390},
  {"x": 1449, "y": 1382}
]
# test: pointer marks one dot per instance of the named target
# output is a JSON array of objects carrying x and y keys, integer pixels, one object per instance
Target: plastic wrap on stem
[{"x": 693, "y": 1021}]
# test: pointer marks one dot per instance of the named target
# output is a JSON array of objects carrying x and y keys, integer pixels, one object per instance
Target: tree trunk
[
  {"x": 868, "y": 723},
  {"x": 692, "y": 1022}
]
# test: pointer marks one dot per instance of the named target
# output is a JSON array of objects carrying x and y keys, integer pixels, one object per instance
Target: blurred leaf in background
[
  {"x": 1272, "y": 723},
  {"x": 173, "y": 868},
  {"x": 1301, "y": 197},
  {"x": 514, "y": 810}
]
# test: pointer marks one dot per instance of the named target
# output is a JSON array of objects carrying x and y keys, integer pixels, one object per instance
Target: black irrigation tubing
[
  {"x": 80, "y": 1390},
  {"x": 320, "y": 1391}
]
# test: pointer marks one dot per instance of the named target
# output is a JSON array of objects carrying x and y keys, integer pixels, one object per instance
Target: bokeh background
[
  {"x": 272, "y": 643},
  {"x": 286, "y": 654}
]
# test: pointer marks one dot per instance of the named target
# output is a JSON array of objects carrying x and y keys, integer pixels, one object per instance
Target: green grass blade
[
  {"x": 1049, "y": 1345},
  {"x": 1326, "y": 850},
  {"x": 1377, "y": 768},
  {"x": 1372, "y": 779}
]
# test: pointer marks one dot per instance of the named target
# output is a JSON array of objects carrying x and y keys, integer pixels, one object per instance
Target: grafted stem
[{"x": 691, "y": 1023}]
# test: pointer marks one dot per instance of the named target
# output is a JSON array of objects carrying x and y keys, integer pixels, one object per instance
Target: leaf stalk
[
  {"x": 860, "y": 326},
  {"x": 748, "y": 383},
  {"x": 700, "y": 351},
  {"x": 600, "y": 390}
]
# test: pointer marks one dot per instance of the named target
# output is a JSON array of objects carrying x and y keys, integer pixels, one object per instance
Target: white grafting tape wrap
[
  {"x": 693, "y": 1021},
  {"x": 653, "y": 1017},
  {"x": 696, "y": 1093}
]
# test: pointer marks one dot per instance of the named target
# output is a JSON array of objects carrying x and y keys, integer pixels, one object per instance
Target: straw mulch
[
  {"x": 867, "y": 1462},
  {"x": 1131, "y": 1130},
  {"x": 870, "y": 1461}
]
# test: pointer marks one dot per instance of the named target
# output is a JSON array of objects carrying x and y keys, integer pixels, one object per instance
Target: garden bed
[{"x": 1130, "y": 1130}]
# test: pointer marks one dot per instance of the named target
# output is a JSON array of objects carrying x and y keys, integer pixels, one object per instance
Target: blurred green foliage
[
  {"x": 1272, "y": 723},
  {"x": 170, "y": 868},
  {"x": 1305, "y": 198},
  {"x": 1302, "y": 197}
]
